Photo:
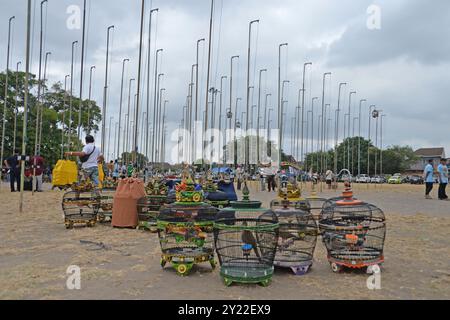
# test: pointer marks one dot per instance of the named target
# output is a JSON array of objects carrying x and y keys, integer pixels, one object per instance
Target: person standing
[
  {"x": 38, "y": 170},
  {"x": 13, "y": 165},
  {"x": 428, "y": 177},
  {"x": 443, "y": 179},
  {"x": 329, "y": 178},
  {"x": 90, "y": 157}
]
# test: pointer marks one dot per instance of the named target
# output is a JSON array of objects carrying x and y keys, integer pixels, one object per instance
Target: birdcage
[
  {"x": 80, "y": 207},
  {"x": 214, "y": 196},
  {"x": 315, "y": 204},
  {"x": 185, "y": 230},
  {"x": 353, "y": 232},
  {"x": 245, "y": 237},
  {"x": 297, "y": 236},
  {"x": 148, "y": 207},
  {"x": 105, "y": 204}
]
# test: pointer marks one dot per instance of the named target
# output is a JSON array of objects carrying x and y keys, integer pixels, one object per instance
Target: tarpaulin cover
[{"x": 228, "y": 188}]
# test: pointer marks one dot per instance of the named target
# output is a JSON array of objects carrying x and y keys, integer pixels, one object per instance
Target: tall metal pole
[
  {"x": 324, "y": 118},
  {"x": 359, "y": 136},
  {"x": 208, "y": 75},
  {"x": 25, "y": 105},
  {"x": 109, "y": 138},
  {"x": 297, "y": 126},
  {"x": 147, "y": 126},
  {"x": 155, "y": 104},
  {"x": 247, "y": 138},
  {"x": 220, "y": 116},
  {"x": 120, "y": 105},
  {"x": 303, "y": 108},
  {"x": 39, "y": 108},
  {"x": 265, "y": 108},
  {"x": 349, "y": 120},
  {"x": 280, "y": 115},
  {"x": 44, "y": 80},
  {"x": 15, "y": 105},
  {"x": 257, "y": 120},
  {"x": 71, "y": 95},
  {"x": 158, "y": 125},
  {"x": 381, "y": 145},
  {"x": 64, "y": 115},
  {"x": 89, "y": 98},
  {"x": 235, "y": 125},
  {"x": 336, "y": 137},
  {"x": 368, "y": 145},
  {"x": 105, "y": 89},
  {"x": 116, "y": 138},
  {"x": 138, "y": 100},
  {"x": 162, "y": 129},
  {"x": 312, "y": 126},
  {"x": 231, "y": 97},
  {"x": 127, "y": 125},
  {"x": 157, "y": 117},
  {"x": 82, "y": 70}
]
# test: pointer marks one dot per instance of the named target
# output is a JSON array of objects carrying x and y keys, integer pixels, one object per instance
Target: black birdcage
[
  {"x": 149, "y": 207},
  {"x": 316, "y": 204},
  {"x": 80, "y": 207},
  {"x": 353, "y": 232},
  {"x": 185, "y": 230},
  {"x": 245, "y": 237},
  {"x": 105, "y": 205},
  {"x": 297, "y": 236}
]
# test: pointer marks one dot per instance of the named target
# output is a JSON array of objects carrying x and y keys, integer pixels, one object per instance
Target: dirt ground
[{"x": 36, "y": 249}]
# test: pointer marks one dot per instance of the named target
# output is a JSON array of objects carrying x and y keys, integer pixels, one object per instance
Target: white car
[
  {"x": 375, "y": 180},
  {"x": 363, "y": 178}
]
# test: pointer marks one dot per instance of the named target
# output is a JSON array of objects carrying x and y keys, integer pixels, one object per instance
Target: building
[{"x": 425, "y": 154}]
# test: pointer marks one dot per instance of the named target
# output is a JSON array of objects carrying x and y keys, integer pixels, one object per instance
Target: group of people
[
  {"x": 428, "y": 175},
  {"x": 34, "y": 171}
]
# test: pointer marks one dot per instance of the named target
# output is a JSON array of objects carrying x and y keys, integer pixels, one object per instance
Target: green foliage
[
  {"x": 349, "y": 156},
  {"x": 55, "y": 106}
]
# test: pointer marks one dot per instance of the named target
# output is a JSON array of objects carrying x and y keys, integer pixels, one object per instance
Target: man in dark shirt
[{"x": 13, "y": 165}]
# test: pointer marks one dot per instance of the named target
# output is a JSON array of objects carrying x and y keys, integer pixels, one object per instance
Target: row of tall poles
[{"x": 155, "y": 148}]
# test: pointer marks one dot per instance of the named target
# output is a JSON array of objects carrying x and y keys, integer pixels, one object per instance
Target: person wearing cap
[
  {"x": 90, "y": 157},
  {"x": 443, "y": 179}
]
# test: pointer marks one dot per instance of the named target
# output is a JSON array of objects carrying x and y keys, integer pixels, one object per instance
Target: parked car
[
  {"x": 416, "y": 180},
  {"x": 376, "y": 179},
  {"x": 395, "y": 179},
  {"x": 363, "y": 178}
]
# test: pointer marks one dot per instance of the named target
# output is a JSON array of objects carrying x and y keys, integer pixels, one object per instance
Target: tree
[
  {"x": 398, "y": 159},
  {"x": 52, "y": 119}
]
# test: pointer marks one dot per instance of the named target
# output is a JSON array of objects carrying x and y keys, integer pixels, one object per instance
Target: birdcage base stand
[
  {"x": 337, "y": 265},
  {"x": 88, "y": 220},
  {"x": 298, "y": 268},
  {"x": 147, "y": 222},
  {"x": 103, "y": 217},
  {"x": 252, "y": 275},
  {"x": 184, "y": 263},
  {"x": 148, "y": 226},
  {"x": 219, "y": 204}
]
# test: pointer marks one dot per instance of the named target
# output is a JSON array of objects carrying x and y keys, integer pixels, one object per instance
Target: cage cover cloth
[
  {"x": 128, "y": 193},
  {"x": 65, "y": 173}
]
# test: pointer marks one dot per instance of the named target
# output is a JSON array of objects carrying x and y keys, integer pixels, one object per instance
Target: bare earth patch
[{"x": 36, "y": 249}]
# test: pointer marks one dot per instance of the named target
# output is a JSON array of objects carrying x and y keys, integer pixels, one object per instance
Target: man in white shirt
[{"x": 90, "y": 157}]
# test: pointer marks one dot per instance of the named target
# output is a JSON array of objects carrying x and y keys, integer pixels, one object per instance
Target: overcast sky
[{"x": 403, "y": 67}]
